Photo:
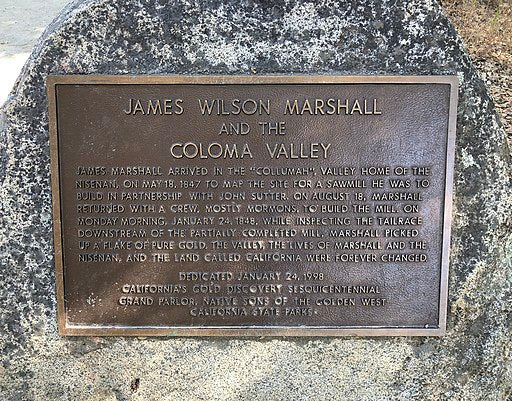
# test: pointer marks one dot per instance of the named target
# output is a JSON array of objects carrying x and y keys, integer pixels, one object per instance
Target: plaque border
[{"x": 248, "y": 331}]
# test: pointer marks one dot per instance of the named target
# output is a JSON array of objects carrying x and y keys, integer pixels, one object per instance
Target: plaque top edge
[{"x": 251, "y": 79}]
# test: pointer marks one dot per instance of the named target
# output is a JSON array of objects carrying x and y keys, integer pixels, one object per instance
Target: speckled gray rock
[{"x": 472, "y": 362}]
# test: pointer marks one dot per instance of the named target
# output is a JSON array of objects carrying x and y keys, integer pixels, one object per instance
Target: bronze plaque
[{"x": 252, "y": 205}]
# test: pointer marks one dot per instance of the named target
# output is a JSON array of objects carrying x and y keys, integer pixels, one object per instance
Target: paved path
[{"x": 21, "y": 24}]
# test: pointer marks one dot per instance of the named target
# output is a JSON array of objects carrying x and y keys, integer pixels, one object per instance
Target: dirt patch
[{"x": 486, "y": 29}]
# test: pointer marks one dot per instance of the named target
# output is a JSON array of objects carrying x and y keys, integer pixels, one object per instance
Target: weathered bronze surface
[{"x": 276, "y": 205}]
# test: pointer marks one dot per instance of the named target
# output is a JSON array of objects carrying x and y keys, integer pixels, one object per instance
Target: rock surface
[{"x": 472, "y": 362}]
